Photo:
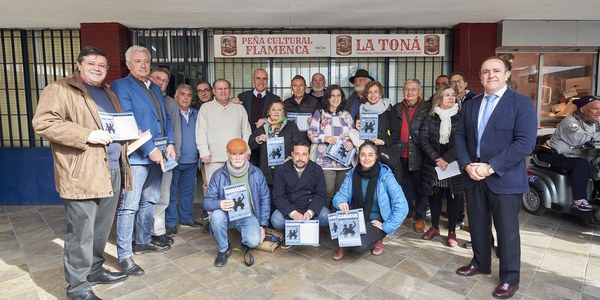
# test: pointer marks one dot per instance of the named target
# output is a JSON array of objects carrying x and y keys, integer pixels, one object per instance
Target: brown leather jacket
[{"x": 66, "y": 115}]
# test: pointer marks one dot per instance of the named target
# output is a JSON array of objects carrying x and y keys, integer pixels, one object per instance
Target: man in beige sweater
[{"x": 219, "y": 121}]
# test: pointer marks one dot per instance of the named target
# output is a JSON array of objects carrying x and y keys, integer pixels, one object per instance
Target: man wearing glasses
[
  {"x": 458, "y": 80},
  {"x": 87, "y": 167},
  {"x": 204, "y": 92}
]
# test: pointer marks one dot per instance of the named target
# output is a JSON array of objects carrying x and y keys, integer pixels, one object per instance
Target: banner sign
[
  {"x": 325, "y": 45},
  {"x": 276, "y": 45},
  {"x": 387, "y": 45}
]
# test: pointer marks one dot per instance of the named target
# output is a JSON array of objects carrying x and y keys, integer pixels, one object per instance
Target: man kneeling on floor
[
  {"x": 299, "y": 190},
  {"x": 237, "y": 170}
]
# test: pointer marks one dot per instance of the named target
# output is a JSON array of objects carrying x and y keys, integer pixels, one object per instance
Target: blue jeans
[
  {"x": 137, "y": 206},
  {"x": 248, "y": 227},
  {"x": 278, "y": 220},
  {"x": 184, "y": 180}
]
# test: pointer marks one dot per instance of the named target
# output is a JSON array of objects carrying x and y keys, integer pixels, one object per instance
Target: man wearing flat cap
[
  {"x": 237, "y": 170},
  {"x": 359, "y": 80},
  {"x": 574, "y": 130}
]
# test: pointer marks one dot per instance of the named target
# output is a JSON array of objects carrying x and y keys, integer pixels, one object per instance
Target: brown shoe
[
  {"x": 470, "y": 270},
  {"x": 377, "y": 248},
  {"x": 452, "y": 242},
  {"x": 420, "y": 226},
  {"x": 431, "y": 233},
  {"x": 339, "y": 253},
  {"x": 505, "y": 290}
]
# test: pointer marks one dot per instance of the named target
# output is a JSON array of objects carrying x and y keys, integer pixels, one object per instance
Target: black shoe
[
  {"x": 163, "y": 239},
  {"x": 221, "y": 259},
  {"x": 150, "y": 247},
  {"x": 171, "y": 231},
  {"x": 204, "y": 215},
  {"x": 107, "y": 277},
  {"x": 467, "y": 245},
  {"x": 129, "y": 267},
  {"x": 89, "y": 295},
  {"x": 192, "y": 224}
]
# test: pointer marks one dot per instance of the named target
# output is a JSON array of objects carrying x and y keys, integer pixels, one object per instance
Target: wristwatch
[{"x": 490, "y": 170}]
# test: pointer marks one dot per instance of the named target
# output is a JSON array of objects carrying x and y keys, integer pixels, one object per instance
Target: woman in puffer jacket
[{"x": 436, "y": 136}]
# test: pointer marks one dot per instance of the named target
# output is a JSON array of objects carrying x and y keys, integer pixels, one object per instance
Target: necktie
[
  {"x": 259, "y": 96},
  {"x": 485, "y": 117}
]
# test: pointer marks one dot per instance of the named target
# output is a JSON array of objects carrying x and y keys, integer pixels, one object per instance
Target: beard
[{"x": 359, "y": 89}]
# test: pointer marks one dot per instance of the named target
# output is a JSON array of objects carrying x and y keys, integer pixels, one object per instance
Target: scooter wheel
[{"x": 532, "y": 202}]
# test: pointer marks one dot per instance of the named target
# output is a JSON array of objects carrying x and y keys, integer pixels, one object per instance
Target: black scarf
[{"x": 359, "y": 173}]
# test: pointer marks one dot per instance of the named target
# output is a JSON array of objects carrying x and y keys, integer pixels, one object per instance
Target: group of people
[{"x": 394, "y": 177}]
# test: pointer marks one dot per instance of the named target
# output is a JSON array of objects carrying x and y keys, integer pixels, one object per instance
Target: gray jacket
[{"x": 571, "y": 132}]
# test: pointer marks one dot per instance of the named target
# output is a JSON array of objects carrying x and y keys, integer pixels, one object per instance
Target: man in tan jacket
[{"x": 87, "y": 167}]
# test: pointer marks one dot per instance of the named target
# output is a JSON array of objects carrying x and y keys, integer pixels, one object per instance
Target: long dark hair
[{"x": 326, "y": 104}]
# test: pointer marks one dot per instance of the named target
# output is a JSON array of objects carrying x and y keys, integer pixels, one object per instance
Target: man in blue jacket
[
  {"x": 497, "y": 130},
  {"x": 237, "y": 170},
  {"x": 299, "y": 190},
  {"x": 139, "y": 95}
]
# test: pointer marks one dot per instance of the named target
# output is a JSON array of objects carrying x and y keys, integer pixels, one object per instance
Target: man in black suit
[
  {"x": 256, "y": 101},
  {"x": 496, "y": 131}
]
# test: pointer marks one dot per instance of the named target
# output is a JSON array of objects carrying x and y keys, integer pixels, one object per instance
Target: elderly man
[
  {"x": 405, "y": 122},
  {"x": 317, "y": 84},
  {"x": 218, "y": 122},
  {"x": 359, "y": 80},
  {"x": 256, "y": 101},
  {"x": 237, "y": 170},
  {"x": 576, "y": 130},
  {"x": 87, "y": 167},
  {"x": 458, "y": 80},
  {"x": 137, "y": 94},
  {"x": 496, "y": 131},
  {"x": 299, "y": 189},
  {"x": 161, "y": 76},
  {"x": 181, "y": 199},
  {"x": 300, "y": 101},
  {"x": 204, "y": 92}
]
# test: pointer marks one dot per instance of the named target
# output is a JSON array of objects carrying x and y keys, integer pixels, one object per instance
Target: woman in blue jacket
[{"x": 380, "y": 196}]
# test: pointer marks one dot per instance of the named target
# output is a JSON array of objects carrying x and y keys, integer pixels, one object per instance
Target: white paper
[
  {"x": 309, "y": 233},
  {"x": 451, "y": 171}
]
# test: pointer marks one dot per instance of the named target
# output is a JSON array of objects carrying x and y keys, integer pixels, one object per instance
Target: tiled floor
[{"x": 560, "y": 260}]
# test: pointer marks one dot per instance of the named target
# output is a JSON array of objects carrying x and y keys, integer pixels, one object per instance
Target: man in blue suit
[
  {"x": 497, "y": 130},
  {"x": 138, "y": 95}
]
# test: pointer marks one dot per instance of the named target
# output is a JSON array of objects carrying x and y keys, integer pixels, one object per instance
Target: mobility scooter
[{"x": 550, "y": 187}]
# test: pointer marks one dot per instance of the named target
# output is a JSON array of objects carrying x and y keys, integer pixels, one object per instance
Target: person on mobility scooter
[{"x": 566, "y": 149}]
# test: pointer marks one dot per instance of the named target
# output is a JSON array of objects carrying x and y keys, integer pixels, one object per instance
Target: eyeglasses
[
  {"x": 204, "y": 91},
  {"x": 94, "y": 64},
  {"x": 158, "y": 79}
]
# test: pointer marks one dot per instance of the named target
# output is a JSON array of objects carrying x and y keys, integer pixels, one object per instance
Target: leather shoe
[
  {"x": 505, "y": 290},
  {"x": 221, "y": 259},
  {"x": 339, "y": 253},
  {"x": 129, "y": 267},
  {"x": 192, "y": 224},
  {"x": 431, "y": 233},
  {"x": 88, "y": 295},
  {"x": 452, "y": 242},
  {"x": 153, "y": 246},
  {"x": 471, "y": 270},
  {"x": 106, "y": 277},
  {"x": 163, "y": 239},
  {"x": 377, "y": 248}
]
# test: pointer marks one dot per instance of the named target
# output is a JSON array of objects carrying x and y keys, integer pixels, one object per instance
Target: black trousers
[
  {"x": 482, "y": 205},
  {"x": 410, "y": 185},
  {"x": 579, "y": 171},
  {"x": 435, "y": 204},
  {"x": 368, "y": 239}
]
